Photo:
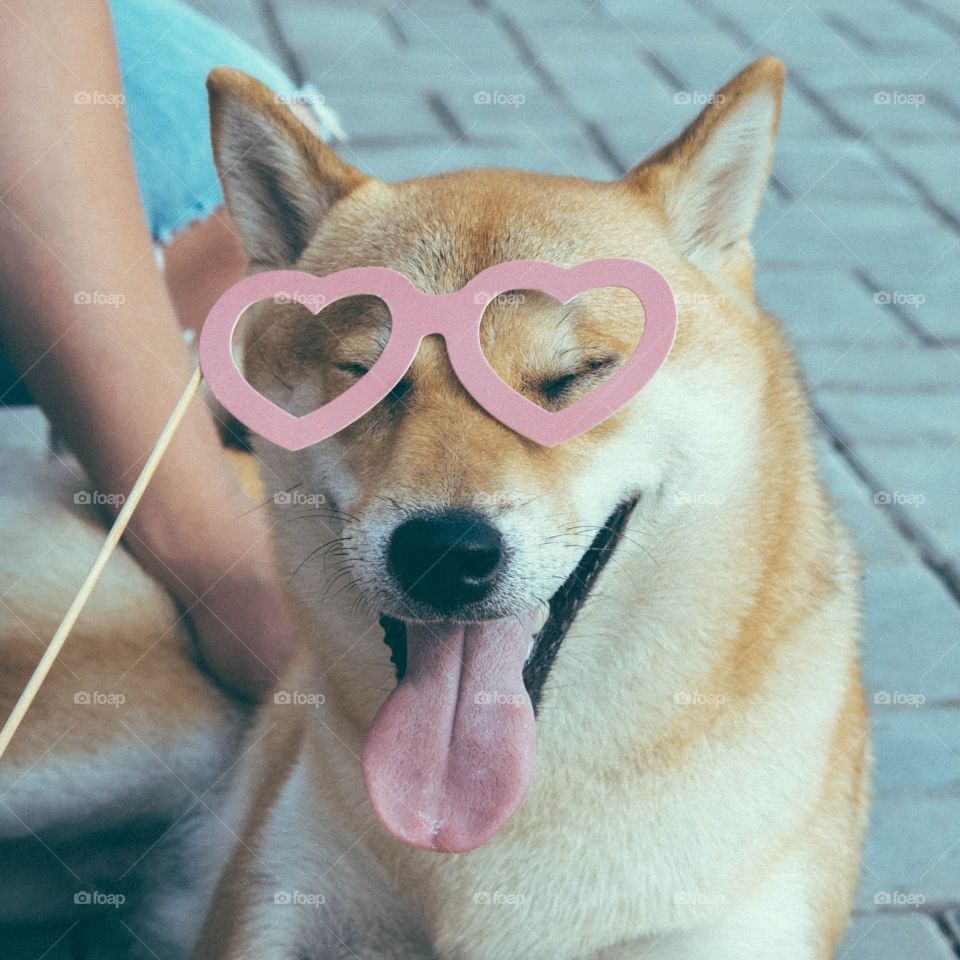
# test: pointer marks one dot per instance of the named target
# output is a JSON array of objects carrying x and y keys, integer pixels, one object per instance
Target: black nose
[{"x": 447, "y": 559}]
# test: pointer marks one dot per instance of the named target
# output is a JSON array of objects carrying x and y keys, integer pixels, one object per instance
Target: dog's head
[{"x": 428, "y": 513}]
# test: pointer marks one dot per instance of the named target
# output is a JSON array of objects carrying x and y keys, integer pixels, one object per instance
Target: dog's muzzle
[{"x": 565, "y": 604}]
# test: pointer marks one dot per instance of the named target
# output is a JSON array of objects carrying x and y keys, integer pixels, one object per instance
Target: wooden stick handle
[{"x": 110, "y": 544}]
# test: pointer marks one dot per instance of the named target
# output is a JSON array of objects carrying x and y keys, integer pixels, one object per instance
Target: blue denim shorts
[{"x": 166, "y": 49}]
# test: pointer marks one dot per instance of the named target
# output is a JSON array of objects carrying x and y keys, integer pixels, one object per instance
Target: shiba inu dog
[{"x": 618, "y": 711}]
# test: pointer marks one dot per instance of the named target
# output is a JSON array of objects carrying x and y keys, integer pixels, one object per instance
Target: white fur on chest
[{"x": 600, "y": 854}]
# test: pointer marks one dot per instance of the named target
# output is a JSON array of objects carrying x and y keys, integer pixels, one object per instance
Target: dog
[{"x": 600, "y": 700}]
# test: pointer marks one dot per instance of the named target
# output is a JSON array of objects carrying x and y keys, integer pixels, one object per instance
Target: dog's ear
[
  {"x": 711, "y": 178},
  {"x": 279, "y": 179}
]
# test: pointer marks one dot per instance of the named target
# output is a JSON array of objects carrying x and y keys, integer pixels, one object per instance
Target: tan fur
[{"x": 702, "y": 755}]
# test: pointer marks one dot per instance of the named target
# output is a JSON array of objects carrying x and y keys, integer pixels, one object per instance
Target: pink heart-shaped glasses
[{"x": 454, "y": 316}]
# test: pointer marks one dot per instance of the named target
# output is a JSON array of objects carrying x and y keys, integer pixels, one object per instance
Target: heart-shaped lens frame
[{"x": 454, "y": 316}]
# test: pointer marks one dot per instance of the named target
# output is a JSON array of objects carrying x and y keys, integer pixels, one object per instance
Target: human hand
[{"x": 216, "y": 557}]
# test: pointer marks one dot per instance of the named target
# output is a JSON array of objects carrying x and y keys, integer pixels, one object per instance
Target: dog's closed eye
[
  {"x": 355, "y": 370},
  {"x": 559, "y": 387}
]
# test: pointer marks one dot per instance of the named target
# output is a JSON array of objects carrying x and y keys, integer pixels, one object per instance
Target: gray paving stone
[
  {"x": 635, "y": 132},
  {"x": 797, "y": 235},
  {"x": 416, "y": 71},
  {"x": 947, "y": 11},
  {"x": 357, "y": 51},
  {"x": 891, "y": 28},
  {"x": 912, "y": 855},
  {"x": 911, "y": 635},
  {"x": 500, "y": 64},
  {"x": 326, "y": 33},
  {"x": 877, "y": 544},
  {"x": 875, "y": 240},
  {"x": 898, "y": 116},
  {"x": 665, "y": 108},
  {"x": 413, "y": 73},
  {"x": 923, "y": 479},
  {"x": 824, "y": 55},
  {"x": 916, "y": 748},
  {"x": 908, "y": 73},
  {"x": 563, "y": 41},
  {"x": 243, "y": 18},
  {"x": 930, "y": 296},
  {"x": 834, "y": 168},
  {"x": 523, "y": 114},
  {"x": 874, "y": 537},
  {"x": 824, "y": 306},
  {"x": 950, "y": 919},
  {"x": 567, "y": 158},
  {"x": 652, "y": 20},
  {"x": 599, "y": 84},
  {"x": 886, "y": 937},
  {"x": 799, "y": 119},
  {"x": 702, "y": 62},
  {"x": 796, "y": 32},
  {"x": 938, "y": 170},
  {"x": 463, "y": 31},
  {"x": 917, "y": 419},
  {"x": 877, "y": 368},
  {"x": 388, "y": 116}
]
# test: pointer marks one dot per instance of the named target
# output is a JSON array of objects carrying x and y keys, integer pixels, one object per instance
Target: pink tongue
[{"x": 450, "y": 754}]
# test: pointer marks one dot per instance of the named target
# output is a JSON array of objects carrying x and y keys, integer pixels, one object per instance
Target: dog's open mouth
[{"x": 450, "y": 754}]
